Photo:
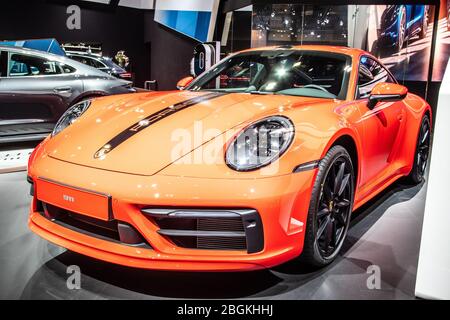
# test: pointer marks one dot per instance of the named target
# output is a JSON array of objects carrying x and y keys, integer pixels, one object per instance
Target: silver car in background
[{"x": 37, "y": 87}]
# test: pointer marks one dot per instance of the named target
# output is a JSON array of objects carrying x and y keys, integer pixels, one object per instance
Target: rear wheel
[
  {"x": 330, "y": 208},
  {"x": 422, "y": 151}
]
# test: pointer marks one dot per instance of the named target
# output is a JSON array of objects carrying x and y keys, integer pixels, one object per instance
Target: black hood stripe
[{"x": 151, "y": 119}]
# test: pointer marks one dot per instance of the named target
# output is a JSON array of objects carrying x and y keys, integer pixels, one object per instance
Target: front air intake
[
  {"x": 210, "y": 229},
  {"x": 114, "y": 230}
]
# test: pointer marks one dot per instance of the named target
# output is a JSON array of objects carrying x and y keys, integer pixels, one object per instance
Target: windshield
[{"x": 287, "y": 72}]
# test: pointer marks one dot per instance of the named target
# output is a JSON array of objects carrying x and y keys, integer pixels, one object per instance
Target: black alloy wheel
[
  {"x": 330, "y": 208},
  {"x": 334, "y": 204}
]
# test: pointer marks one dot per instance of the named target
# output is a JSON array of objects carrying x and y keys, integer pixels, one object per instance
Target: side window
[
  {"x": 77, "y": 58},
  {"x": 26, "y": 65},
  {"x": 371, "y": 73},
  {"x": 65, "y": 68},
  {"x": 89, "y": 62},
  {"x": 98, "y": 64},
  {"x": 83, "y": 60},
  {"x": 3, "y": 63}
]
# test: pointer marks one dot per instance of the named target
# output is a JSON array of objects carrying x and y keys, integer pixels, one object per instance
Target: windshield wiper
[{"x": 260, "y": 92}]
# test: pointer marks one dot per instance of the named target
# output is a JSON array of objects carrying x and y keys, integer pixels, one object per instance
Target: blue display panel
[
  {"x": 194, "y": 24},
  {"x": 194, "y": 18},
  {"x": 46, "y": 45}
]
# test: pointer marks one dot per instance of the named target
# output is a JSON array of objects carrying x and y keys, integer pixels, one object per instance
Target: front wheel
[
  {"x": 422, "y": 151},
  {"x": 330, "y": 208}
]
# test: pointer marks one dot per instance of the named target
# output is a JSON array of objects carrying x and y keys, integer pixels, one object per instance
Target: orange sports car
[{"x": 230, "y": 175}]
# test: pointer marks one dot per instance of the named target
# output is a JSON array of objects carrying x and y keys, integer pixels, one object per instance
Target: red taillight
[{"x": 125, "y": 75}]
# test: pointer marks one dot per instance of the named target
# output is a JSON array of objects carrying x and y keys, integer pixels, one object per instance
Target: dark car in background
[
  {"x": 400, "y": 23},
  {"x": 37, "y": 87},
  {"x": 99, "y": 62}
]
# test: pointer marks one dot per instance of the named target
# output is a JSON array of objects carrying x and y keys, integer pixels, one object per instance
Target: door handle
[{"x": 63, "y": 90}]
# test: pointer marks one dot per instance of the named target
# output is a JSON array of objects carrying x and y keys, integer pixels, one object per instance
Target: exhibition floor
[{"x": 385, "y": 233}]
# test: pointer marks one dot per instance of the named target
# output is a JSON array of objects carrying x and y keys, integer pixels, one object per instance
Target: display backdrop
[
  {"x": 399, "y": 35},
  {"x": 442, "y": 51},
  {"x": 433, "y": 272}
]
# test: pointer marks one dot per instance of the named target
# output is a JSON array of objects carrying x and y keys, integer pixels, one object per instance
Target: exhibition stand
[{"x": 433, "y": 274}]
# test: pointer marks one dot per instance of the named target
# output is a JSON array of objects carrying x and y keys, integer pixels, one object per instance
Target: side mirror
[
  {"x": 183, "y": 83},
  {"x": 386, "y": 92}
]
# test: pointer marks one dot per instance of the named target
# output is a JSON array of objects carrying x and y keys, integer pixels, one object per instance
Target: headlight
[
  {"x": 71, "y": 114},
  {"x": 260, "y": 144}
]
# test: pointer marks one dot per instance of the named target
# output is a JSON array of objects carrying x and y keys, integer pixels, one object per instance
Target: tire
[
  {"x": 448, "y": 20},
  {"x": 401, "y": 30},
  {"x": 424, "y": 28},
  {"x": 422, "y": 152},
  {"x": 329, "y": 207}
]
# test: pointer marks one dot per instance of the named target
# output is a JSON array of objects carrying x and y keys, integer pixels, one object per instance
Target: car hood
[{"x": 141, "y": 133}]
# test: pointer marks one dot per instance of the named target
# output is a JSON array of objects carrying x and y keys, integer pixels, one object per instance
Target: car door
[
  {"x": 381, "y": 126},
  {"x": 35, "y": 90}
]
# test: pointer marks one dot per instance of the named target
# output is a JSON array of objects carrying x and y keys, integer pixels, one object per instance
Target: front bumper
[{"x": 281, "y": 202}]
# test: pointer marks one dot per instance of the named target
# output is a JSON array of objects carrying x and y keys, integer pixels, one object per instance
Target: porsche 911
[{"x": 260, "y": 160}]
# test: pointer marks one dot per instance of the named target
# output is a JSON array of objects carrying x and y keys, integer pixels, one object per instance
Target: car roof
[
  {"x": 353, "y": 52},
  {"x": 81, "y": 68}
]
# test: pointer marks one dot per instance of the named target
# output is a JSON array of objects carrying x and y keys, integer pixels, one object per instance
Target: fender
[
  {"x": 353, "y": 134},
  {"x": 414, "y": 114}
]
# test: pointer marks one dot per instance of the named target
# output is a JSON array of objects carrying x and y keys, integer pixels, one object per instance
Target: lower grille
[
  {"x": 210, "y": 229},
  {"x": 114, "y": 230},
  {"x": 217, "y": 243},
  {"x": 226, "y": 224}
]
